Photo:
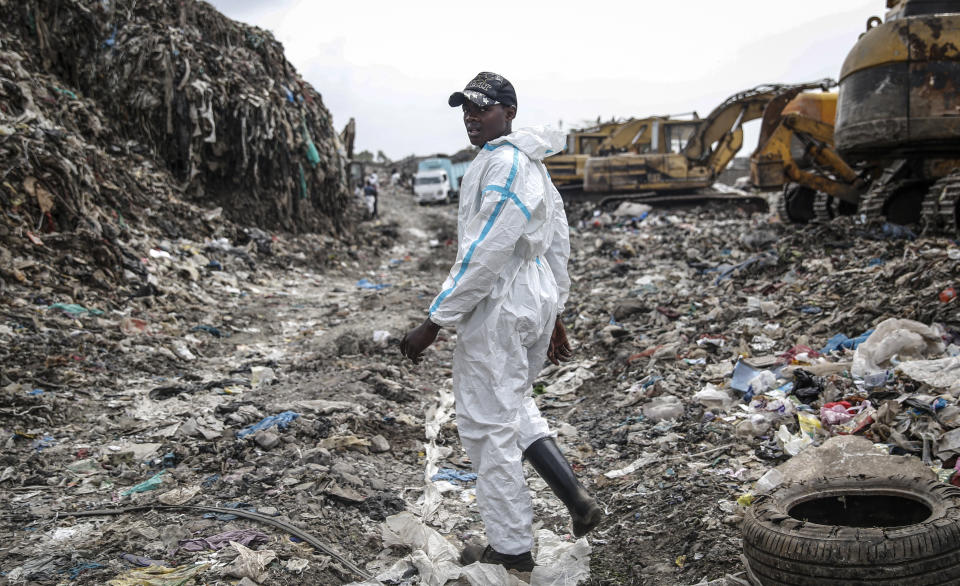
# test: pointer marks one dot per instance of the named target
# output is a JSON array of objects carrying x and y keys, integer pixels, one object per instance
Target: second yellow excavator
[{"x": 664, "y": 154}]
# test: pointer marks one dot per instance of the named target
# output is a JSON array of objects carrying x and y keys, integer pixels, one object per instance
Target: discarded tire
[{"x": 855, "y": 531}]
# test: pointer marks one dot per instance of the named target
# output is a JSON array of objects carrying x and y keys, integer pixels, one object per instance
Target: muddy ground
[{"x": 94, "y": 405}]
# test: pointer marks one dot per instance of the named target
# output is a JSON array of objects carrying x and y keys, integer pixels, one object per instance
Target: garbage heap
[
  {"x": 715, "y": 346},
  {"x": 152, "y": 114}
]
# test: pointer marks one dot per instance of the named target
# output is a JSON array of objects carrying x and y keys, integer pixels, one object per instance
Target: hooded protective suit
[{"x": 504, "y": 293}]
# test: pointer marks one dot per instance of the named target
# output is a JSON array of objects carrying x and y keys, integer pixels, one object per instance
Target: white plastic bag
[{"x": 904, "y": 339}]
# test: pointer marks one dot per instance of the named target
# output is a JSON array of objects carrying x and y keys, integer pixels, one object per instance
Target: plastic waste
[
  {"x": 221, "y": 540},
  {"x": 763, "y": 382},
  {"x": 158, "y": 576},
  {"x": 862, "y": 417},
  {"x": 381, "y": 337},
  {"x": 559, "y": 562},
  {"x": 434, "y": 556},
  {"x": 746, "y": 370},
  {"x": 755, "y": 425},
  {"x": 281, "y": 420},
  {"x": 365, "y": 284},
  {"x": 74, "y": 309},
  {"x": 453, "y": 475},
  {"x": 478, "y": 574},
  {"x": 948, "y": 295},
  {"x": 837, "y": 412},
  {"x": 151, "y": 483},
  {"x": 903, "y": 339},
  {"x": 712, "y": 397},
  {"x": 637, "y": 464},
  {"x": 792, "y": 444},
  {"x": 942, "y": 373},
  {"x": 665, "y": 407},
  {"x": 769, "y": 481},
  {"x": 809, "y": 424},
  {"x": 261, "y": 375},
  {"x": 841, "y": 341},
  {"x": 250, "y": 564},
  {"x": 806, "y": 386}
]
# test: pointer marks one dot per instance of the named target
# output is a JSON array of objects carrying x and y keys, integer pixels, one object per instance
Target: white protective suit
[{"x": 504, "y": 293}]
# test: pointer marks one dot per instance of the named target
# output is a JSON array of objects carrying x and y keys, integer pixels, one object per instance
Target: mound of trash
[{"x": 119, "y": 119}]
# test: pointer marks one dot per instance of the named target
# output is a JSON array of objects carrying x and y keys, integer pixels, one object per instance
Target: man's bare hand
[
  {"x": 419, "y": 339},
  {"x": 559, "y": 350}
]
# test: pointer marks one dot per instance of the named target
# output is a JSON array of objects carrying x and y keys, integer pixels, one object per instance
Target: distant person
[
  {"x": 395, "y": 178},
  {"x": 370, "y": 194},
  {"x": 504, "y": 294},
  {"x": 374, "y": 179}
]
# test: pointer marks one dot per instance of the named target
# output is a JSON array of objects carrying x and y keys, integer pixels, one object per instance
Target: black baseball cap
[{"x": 486, "y": 89}]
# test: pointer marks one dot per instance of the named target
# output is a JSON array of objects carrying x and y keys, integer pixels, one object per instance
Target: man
[
  {"x": 504, "y": 295},
  {"x": 371, "y": 194}
]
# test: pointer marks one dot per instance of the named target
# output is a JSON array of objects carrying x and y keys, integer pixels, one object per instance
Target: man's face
[{"x": 485, "y": 123}]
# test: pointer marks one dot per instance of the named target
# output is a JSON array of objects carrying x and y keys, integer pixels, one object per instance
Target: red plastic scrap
[
  {"x": 672, "y": 314},
  {"x": 645, "y": 354},
  {"x": 790, "y": 355}
]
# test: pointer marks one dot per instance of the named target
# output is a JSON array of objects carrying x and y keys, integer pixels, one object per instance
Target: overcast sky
[{"x": 392, "y": 65}]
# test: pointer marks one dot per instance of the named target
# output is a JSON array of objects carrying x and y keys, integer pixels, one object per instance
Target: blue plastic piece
[{"x": 281, "y": 420}]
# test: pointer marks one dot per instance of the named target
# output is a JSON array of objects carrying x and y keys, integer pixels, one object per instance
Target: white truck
[
  {"x": 438, "y": 180},
  {"x": 431, "y": 186}
]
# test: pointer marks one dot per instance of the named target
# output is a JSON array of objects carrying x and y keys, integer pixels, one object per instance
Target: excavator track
[
  {"x": 824, "y": 208},
  {"x": 873, "y": 202},
  {"x": 898, "y": 202},
  {"x": 946, "y": 196},
  {"x": 796, "y": 204}
]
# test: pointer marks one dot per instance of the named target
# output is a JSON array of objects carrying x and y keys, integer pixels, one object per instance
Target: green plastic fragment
[
  {"x": 151, "y": 483},
  {"x": 313, "y": 155},
  {"x": 74, "y": 309},
  {"x": 66, "y": 93},
  {"x": 303, "y": 182}
]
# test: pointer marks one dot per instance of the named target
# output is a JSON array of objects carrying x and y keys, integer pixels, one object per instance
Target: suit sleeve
[
  {"x": 487, "y": 242},
  {"x": 558, "y": 253}
]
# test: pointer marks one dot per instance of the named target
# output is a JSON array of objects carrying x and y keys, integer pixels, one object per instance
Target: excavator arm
[
  {"x": 625, "y": 136},
  {"x": 774, "y": 161},
  {"x": 727, "y": 120}
]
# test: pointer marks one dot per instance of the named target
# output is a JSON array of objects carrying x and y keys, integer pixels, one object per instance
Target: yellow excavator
[
  {"x": 796, "y": 152},
  {"x": 566, "y": 168},
  {"x": 899, "y": 108},
  {"x": 667, "y": 155},
  {"x": 893, "y": 152}
]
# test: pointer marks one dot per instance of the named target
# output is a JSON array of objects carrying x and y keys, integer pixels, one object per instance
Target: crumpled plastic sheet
[
  {"x": 943, "y": 373},
  {"x": 437, "y": 414},
  {"x": 251, "y": 564},
  {"x": 902, "y": 338},
  {"x": 221, "y": 540},
  {"x": 158, "y": 576},
  {"x": 281, "y": 420},
  {"x": 559, "y": 562},
  {"x": 434, "y": 556},
  {"x": 568, "y": 378},
  {"x": 478, "y": 574}
]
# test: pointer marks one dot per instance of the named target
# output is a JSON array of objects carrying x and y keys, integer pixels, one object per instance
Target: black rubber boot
[
  {"x": 521, "y": 562},
  {"x": 549, "y": 462}
]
